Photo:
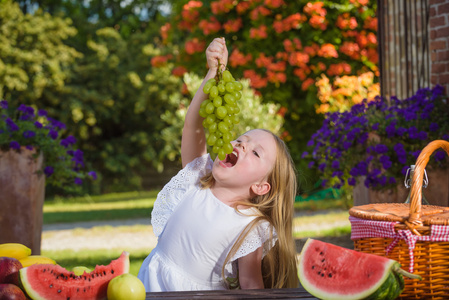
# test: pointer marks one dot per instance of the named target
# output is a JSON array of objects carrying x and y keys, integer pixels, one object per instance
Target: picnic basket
[{"x": 415, "y": 235}]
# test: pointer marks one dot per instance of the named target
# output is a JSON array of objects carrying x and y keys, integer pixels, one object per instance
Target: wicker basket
[{"x": 425, "y": 226}]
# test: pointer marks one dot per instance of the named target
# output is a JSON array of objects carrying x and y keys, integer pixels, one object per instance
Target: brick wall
[{"x": 439, "y": 43}]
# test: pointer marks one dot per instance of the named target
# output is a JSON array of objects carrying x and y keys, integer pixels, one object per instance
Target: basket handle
[{"x": 414, "y": 219}]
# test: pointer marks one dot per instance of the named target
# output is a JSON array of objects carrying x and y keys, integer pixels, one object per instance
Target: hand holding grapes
[{"x": 220, "y": 109}]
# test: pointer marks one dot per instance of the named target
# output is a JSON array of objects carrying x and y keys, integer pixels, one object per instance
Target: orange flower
[
  {"x": 311, "y": 50},
  {"x": 282, "y": 110},
  {"x": 279, "y": 66},
  {"x": 362, "y": 40},
  {"x": 164, "y": 31},
  {"x": 302, "y": 72},
  {"x": 298, "y": 59},
  {"x": 339, "y": 69},
  {"x": 209, "y": 27},
  {"x": 359, "y": 2},
  {"x": 288, "y": 45},
  {"x": 256, "y": 81},
  {"x": 328, "y": 51},
  {"x": 370, "y": 23},
  {"x": 179, "y": 71},
  {"x": 237, "y": 58},
  {"x": 344, "y": 21},
  {"x": 242, "y": 7},
  {"x": 233, "y": 25},
  {"x": 192, "y": 5},
  {"x": 372, "y": 39},
  {"x": 350, "y": 49},
  {"x": 275, "y": 77},
  {"x": 161, "y": 60},
  {"x": 315, "y": 9},
  {"x": 274, "y": 3},
  {"x": 263, "y": 61},
  {"x": 221, "y": 6},
  {"x": 282, "y": 55},
  {"x": 258, "y": 33},
  {"x": 194, "y": 46},
  {"x": 318, "y": 22},
  {"x": 308, "y": 82},
  {"x": 260, "y": 11}
]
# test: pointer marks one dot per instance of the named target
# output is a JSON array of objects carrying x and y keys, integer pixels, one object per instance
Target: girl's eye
[{"x": 256, "y": 154}]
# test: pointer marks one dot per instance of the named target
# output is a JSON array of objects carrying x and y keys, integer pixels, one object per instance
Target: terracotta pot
[
  {"x": 21, "y": 199},
  {"x": 437, "y": 192}
]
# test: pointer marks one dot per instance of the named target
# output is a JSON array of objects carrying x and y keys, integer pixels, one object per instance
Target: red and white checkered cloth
[{"x": 361, "y": 228}]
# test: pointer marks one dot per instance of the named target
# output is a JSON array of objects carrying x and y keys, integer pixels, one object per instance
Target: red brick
[
  {"x": 439, "y": 67},
  {"x": 442, "y": 32},
  {"x": 436, "y": 1},
  {"x": 433, "y": 56},
  {"x": 444, "y": 78},
  {"x": 437, "y": 21},
  {"x": 433, "y": 34},
  {"x": 443, "y": 9},
  {"x": 443, "y": 55},
  {"x": 438, "y": 44}
]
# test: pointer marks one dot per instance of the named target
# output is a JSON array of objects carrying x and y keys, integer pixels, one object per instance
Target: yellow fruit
[
  {"x": 125, "y": 287},
  {"x": 14, "y": 250},
  {"x": 36, "y": 259},
  {"x": 79, "y": 270}
]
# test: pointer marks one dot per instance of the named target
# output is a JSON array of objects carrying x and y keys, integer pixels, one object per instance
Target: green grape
[
  {"x": 210, "y": 108},
  {"x": 203, "y": 113},
  {"x": 223, "y": 127},
  {"x": 211, "y": 119},
  {"x": 227, "y": 147},
  {"x": 213, "y": 92},
  {"x": 218, "y": 101},
  {"x": 228, "y": 98},
  {"x": 219, "y": 142},
  {"x": 212, "y": 127},
  {"x": 227, "y": 76},
  {"x": 227, "y": 137},
  {"x": 221, "y": 87},
  {"x": 238, "y": 85},
  {"x": 221, "y": 112},
  {"x": 230, "y": 87},
  {"x": 211, "y": 139},
  {"x": 221, "y": 154}
]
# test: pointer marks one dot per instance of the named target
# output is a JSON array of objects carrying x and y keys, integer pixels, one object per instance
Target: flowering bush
[
  {"x": 22, "y": 127},
  {"x": 345, "y": 91},
  {"x": 377, "y": 141}
]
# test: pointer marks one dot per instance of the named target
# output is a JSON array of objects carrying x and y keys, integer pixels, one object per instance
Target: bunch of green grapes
[{"x": 220, "y": 112}]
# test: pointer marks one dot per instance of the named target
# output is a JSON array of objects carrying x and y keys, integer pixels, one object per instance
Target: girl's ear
[{"x": 261, "y": 188}]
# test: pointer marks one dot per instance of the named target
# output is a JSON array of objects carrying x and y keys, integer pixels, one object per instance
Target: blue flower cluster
[
  {"x": 377, "y": 141},
  {"x": 23, "y": 127}
]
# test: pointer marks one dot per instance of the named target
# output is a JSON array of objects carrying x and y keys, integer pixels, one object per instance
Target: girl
[{"x": 224, "y": 224}]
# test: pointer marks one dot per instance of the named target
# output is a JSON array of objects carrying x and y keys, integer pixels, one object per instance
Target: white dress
[{"x": 195, "y": 233}]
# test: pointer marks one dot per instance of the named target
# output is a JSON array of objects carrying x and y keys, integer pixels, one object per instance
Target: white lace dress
[{"x": 195, "y": 233}]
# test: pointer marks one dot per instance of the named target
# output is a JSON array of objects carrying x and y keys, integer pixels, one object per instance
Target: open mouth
[{"x": 231, "y": 159}]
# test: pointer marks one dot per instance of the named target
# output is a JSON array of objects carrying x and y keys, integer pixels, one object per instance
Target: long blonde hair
[{"x": 276, "y": 207}]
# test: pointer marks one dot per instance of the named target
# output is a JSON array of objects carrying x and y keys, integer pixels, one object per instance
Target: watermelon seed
[
  {"x": 323, "y": 260},
  {"x": 321, "y": 253},
  {"x": 104, "y": 272},
  {"x": 51, "y": 285},
  {"x": 313, "y": 267},
  {"x": 329, "y": 275},
  {"x": 59, "y": 291},
  {"x": 319, "y": 272},
  {"x": 322, "y": 274},
  {"x": 112, "y": 271},
  {"x": 68, "y": 298}
]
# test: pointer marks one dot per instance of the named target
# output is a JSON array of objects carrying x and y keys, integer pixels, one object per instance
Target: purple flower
[
  {"x": 78, "y": 181},
  {"x": 352, "y": 181},
  {"x": 385, "y": 161},
  {"x": 335, "y": 164},
  {"x": 311, "y": 164},
  {"x": 93, "y": 175},
  {"x": 42, "y": 113},
  {"x": 70, "y": 140},
  {"x": 304, "y": 154},
  {"x": 14, "y": 145},
  {"x": 29, "y": 147},
  {"x": 381, "y": 148},
  {"x": 29, "y": 134},
  {"x": 53, "y": 134},
  {"x": 433, "y": 126},
  {"x": 78, "y": 157},
  {"x": 4, "y": 104},
  {"x": 48, "y": 171},
  {"x": 38, "y": 124},
  {"x": 322, "y": 166},
  {"x": 11, "y": 125},
  {"x": 440, "y": 155}
]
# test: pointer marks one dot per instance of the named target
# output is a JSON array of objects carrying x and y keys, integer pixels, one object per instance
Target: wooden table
[{"x": 299, "y": 293}]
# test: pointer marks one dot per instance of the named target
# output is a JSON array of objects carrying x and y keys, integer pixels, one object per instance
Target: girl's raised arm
[{"x": 193, "y": 143}]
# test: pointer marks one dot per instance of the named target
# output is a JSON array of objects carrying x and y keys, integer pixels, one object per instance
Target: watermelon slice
[
  {"x": 48, "y": 281},
  {"x": 331, "y": 272}
]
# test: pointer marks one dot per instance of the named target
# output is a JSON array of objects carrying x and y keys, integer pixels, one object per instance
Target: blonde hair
[{"x": 276, "y": 207}]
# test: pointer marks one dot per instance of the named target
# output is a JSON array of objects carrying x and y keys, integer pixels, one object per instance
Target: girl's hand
[{"x": 217, "y": 51}]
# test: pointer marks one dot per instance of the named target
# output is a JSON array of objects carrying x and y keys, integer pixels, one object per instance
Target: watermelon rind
[{"x": 385, "y": 268}]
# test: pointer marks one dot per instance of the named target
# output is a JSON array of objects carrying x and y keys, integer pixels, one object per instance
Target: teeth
[{"x": 235, "y": 153}]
